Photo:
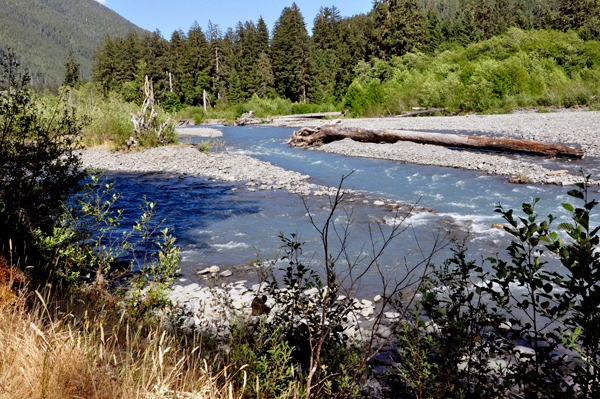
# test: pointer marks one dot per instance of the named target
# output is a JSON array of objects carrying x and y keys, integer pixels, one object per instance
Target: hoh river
[{"x": 232, "y": 222}]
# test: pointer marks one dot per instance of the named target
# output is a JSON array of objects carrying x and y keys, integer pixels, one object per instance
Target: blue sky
[{"x": 168, "y": 16}]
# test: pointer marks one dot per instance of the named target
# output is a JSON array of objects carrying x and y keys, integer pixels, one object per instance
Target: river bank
[
  {"x": 188, "y": 160},
  {"x": 577, "y": 129}
]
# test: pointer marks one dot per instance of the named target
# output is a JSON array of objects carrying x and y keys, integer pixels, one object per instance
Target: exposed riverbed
[{"x": 226, "y": 206}]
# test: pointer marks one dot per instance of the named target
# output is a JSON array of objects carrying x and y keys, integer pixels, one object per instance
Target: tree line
[{"x": 233, "y": 65}]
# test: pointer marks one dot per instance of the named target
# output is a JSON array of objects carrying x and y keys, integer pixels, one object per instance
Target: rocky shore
[
  {"x": 188, "y": 160},
  {"x": 423, "y": 154},
  {"x": 578, "y": 129}
]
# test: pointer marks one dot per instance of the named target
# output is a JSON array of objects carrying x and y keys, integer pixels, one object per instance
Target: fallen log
[
  {"x": 424, "y": 112},
  {"x": 317, "y": 115},
  {"x": 308, "y": 137},
  {"x": 247, "y": 119}
]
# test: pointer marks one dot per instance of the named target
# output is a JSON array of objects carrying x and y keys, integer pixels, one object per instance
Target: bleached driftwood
[
  {"x": 144, "y": 120},
  {"x": 308, "y": 137},
  {"x": 247, "y": 119}
]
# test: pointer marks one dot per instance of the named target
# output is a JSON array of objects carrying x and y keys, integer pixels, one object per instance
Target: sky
[{"x": 168, "y": 16}]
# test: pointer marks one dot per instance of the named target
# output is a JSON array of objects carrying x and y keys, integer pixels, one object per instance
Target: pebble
[
  {"x": 377, "y": 298},
  {"x": 226, "y": 273},
  {"x": 214, "y": 269}
]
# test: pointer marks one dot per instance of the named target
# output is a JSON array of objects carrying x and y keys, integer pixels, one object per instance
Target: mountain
[{"x": 41, "y": 31}]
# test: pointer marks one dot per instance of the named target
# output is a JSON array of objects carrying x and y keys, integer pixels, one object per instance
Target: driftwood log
[
  {"x": 247, "y": 119},
  {"x": 423, "y": 112},
  {"x": 308, "y": 137},
  {"x": 144, "y": 121},
  {"x": 316, "y": 115}
]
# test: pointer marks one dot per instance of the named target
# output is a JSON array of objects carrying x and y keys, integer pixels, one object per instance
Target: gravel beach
[
  {"x": 194, "y": 131},
  {"x": 579, "y": 129},
  {"x": 188, "y": 160}
]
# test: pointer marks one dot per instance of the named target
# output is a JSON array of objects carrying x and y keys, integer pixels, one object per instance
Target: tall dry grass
[{"x": 45, "y": 356}]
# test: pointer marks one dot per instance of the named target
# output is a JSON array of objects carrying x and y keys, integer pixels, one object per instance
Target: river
[{"x": 224, "y": 224}]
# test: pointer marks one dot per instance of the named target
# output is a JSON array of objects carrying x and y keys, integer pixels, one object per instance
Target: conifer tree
[
  {"x": 104, "y": 67},
  {"x": 291, "y": 55},
  {"x": 399, "y": 27},
  {"x": 194, "y": 75},
  {"x": 262, "y": 35},
  {"x": 435, "y": 31},
  {"x": 72, "y": 75},
  {"x": 235, "y": 91},
  {"x": 264, "y": 73}
]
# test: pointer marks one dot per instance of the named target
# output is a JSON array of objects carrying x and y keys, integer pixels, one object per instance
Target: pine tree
[
  {"x": 235, "y": 91},
  {"x": 104, "y": 68},
  {"x": 264, "y": 73},
  {"x": 435, "y": 31},
  {"x": 195, "y": 68},
  {"x": 291, "y": 55},
  {"x": 582, "y": 15},
  {"x": 72, "y": 75},
  {"x": 262, "y": 35},
  {"x": 399, "y": 27}
]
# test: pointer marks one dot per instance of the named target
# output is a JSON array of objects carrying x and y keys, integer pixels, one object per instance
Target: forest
[{"x": 232, "y": 65}]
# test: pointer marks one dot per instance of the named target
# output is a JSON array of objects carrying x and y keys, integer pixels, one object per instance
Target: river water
[{"x": 223, "y": 224}]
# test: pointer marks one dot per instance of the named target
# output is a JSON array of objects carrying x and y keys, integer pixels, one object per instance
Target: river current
[{"x": 224, "y": 224}]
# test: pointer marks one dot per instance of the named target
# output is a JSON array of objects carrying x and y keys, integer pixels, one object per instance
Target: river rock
[
  {"x": 214, "y": 269},
  {"x": 226, "y": 273}
]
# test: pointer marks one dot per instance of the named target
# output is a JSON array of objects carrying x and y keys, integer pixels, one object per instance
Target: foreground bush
[
  {"x": 39, "y": 167},
  {"x": 518, "y": 69}
]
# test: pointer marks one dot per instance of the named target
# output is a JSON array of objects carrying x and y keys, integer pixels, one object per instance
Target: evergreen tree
[
  {"x": 327, "y": 46},
  {"x": 582, "y": 15},
  {"x": 72, "y": 75},
  {"x": 464, "y": 31},
  {"x": 194, "y": 76},
  {"x": 105, "y": 65},
  {"x": 264, "y": 73},
  {"x": 235, "y": 90},
  {"x": 262, "y": 36},
  {"x": 214, "y": 36},
  {"x": 435, "y": 31},
  {"x": 399, "y": 27},
  {"x": 291, "y": 55}
]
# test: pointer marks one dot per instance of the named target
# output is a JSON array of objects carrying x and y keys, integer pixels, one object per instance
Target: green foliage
[
  {"x": 72, "y": 74},
  {"x": 107, "y": 119},
  {"x": 38, "y": 159},
  {"x": 291, "y": 55},
  {"x": 581, "y": 284},
  {"x": 481, "y": 317},
  {"x": 211, "y": 145},
  {"x": 172, "y": 103},
  {"x": 399, "y": 27},
  {"x": 519, "y": 69},
  {"x": 268, "y": 359}
]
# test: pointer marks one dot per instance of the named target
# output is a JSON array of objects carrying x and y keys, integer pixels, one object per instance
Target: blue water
[{"x": 223, "y": 224}]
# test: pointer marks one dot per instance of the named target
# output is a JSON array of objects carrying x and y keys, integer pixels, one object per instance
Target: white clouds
[{"x": 101, "y": 1}]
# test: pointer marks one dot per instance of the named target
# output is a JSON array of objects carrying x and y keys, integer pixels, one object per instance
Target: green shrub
[{"x": 518, "y": 69}]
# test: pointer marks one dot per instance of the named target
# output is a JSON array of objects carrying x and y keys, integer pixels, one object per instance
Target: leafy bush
[
  {"x": 39, "y": 167},
  {"x": 518, "y": 69},
  {"x": 500, "y": 333}
]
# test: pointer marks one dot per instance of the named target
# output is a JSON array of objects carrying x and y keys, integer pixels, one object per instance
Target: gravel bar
[
  {"x": 575, "y": 128},
  {"x": 187, "y": 160},
  {"x": 194, "y": 131}
]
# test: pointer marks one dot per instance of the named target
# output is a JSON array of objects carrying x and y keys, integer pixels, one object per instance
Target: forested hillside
[
  {"x": 42, "y": 31},
  {"x": 234, "y": 64}
]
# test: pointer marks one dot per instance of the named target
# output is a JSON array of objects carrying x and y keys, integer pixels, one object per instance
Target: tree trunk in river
[{"x": 308, "y": 137}]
